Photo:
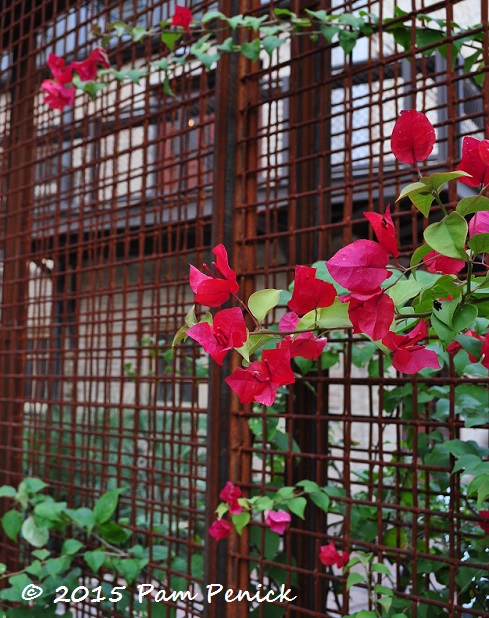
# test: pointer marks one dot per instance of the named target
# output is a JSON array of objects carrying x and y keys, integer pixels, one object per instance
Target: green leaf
[
  {"x": 228, "y": 45},
  {"x": 319, "y": 15},
  {"x": 347, "y": 40},
  {"x": 285, "y": 493},
  {"x": 207, "y": 17},
  {"x": 428, "y": 36},
  {"x": 377, "y": 567},
  {"x": 12, "y": 523},
  {"x": 422, "y": 201},
  {"x": 56, "y": 566},
  {"x": 309, "y": 487},
  {"x": 321, "y": 500},
  {"x": 419, "y": 254},
  {"x": 33, "y": 485},
  {"x": 402, "y": 36},
  {"x": 262, "y": 302},
  {"x": 50, "y": 510},
  {"x": 170, "y": 39},
  {"x": 332, "y": 317},
  {"x": 420, "y": 194},
  {"x": 438, "y": 180},
  {"x": 297, "y": 506},
  {"x": 353, "y": 579},
  {"x": 240, "y": 521},
  {"x": 479, "y": 243},
  {"x": 94, "y": 559},
  {"x": 353, "y": 562},
  {"x": 6, "y": 491},
  {"x": 329, "y": 32},
  {"x": 251, "y": 50},
  {"x": 254, "y": 22},
  {"x": 469, "y": 205},
  {"x": 71, "y": 547},
  {"x": 270, "y": 43},
  {"x": 351, "y": 20},
  {"x": 208, "y": 59},
  {"x": 222, "y": 509},
  {"x": 383, "y": 590},
  {"x": 83, "y": 517},
  {"x": 362, "y": 354},
  {"x": 38, "y": 537},
  {"x": 286, "y": 13},
  {"x": 448, "y": 236},
  {"x": 415, "y": 187},
  {"x": 113, "y": 533},
  {"x": 120, "y": 28},
  {"x": 264, "y": 503},
  {"x": 42, "y": 554},
  {"x": 138, "y": 33},
  {"x": 106, "y": 505},
  {"x": 130, "y": 568},
  {"x": 385, "y": 601},
  {"x": 470, "y": 344},
  {"x": 404, "y": 290},
  {"x": 483, "y": 493},
  {"x": 464, "y": 317},
  {"x": 395, "y": 537},
  {"x": 235, "y": 21},
  {"x": 271, "y": 544}
]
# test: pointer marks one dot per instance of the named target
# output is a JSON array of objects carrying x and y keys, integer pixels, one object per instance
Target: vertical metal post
[
  {"x": 216, "y": 555},
  {"x": 15, "y": 280},
  {"x": 17, "y": 229},
  {"x": 310, "y": 175}
]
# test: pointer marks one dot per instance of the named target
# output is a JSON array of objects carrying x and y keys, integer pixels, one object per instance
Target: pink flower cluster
[
  {"x": 277, "y": 521},
  {"x": 261, "y": 379},
  {"x": 59, "y": 91}
]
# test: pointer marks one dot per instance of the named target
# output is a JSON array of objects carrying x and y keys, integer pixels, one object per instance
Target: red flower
[
  {"x": 288, "y": 321},
  {"x": 87, "y": 69},
  {"x": 182, "y": 17},
  {"x": 61, "y": 73},
  {"x": 437, "y": 263},
  {"x": 484, "y": 151},
  {"x": 261, "y": 380},
  {"x": 485, "y": 352},
  {"x": 57, "y": 95},
  {"x": 310, "y": 293},
  {"x": 212, "y": 291},
  {"x": 227, "y": 331},
  {"x": 484, "y": 524},
  {"x": 408, "y": 357},
  {"x": 305, "y": 345},
  {"x": 413, "y": 137},
  {"x": 329, "y": 555},
  {"x": 231, "y": 494},
  {"x": 479, "y": 224},
  {"x": 219, "y": 529},
  {"x": 372, "y": 316},
  {"x": 360, "y": 267},
  {"x": 384, "y": 230},
  {"x": 455, "y": 346},
  {"x": 473, "y": 164},
  {"x": 99, "y": 56},
  {"x": 277, "y": 521}
]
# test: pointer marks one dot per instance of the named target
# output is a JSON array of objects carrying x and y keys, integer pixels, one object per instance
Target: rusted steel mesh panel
[
  {"x": 315, "y": 154},
  {"x": 103, "y": 207}
]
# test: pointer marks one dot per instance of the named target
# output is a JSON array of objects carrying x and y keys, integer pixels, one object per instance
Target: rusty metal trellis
[{"x": 104, "y": 206}]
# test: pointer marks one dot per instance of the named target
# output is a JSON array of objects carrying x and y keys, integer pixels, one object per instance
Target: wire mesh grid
[{"x": 104, "y": 206}]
